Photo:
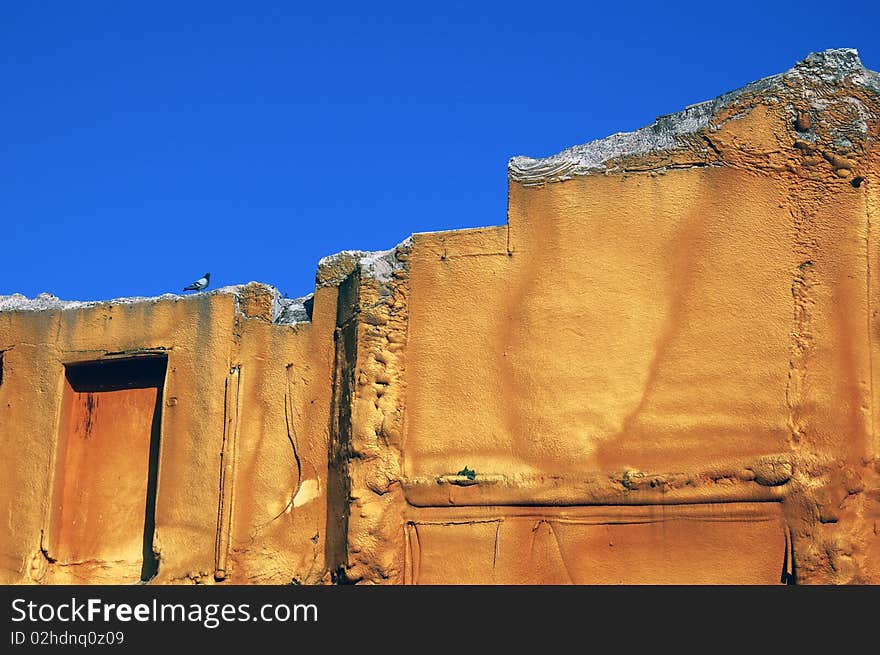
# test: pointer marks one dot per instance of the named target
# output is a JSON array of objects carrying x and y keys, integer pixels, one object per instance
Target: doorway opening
[{"x": 104, "y": 508}]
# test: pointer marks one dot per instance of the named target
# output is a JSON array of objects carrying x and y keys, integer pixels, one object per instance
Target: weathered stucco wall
[
  {"x": 674, "y": 325},
  {"x": 661, "y": 369},
  {"x": 242, "y": 458}
]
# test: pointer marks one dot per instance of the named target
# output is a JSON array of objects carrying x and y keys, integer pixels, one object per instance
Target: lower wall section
[{"x": 722, "y": 543}]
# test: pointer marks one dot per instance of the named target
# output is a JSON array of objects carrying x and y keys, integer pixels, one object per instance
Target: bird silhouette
[{"x": 199, "y": 284}]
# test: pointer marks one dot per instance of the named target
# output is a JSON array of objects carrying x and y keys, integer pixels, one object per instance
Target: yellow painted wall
[
  {"x": 662, "y": 369},
  {"x": 689, "y": 327},
  {"x": 284, "y": 374}
]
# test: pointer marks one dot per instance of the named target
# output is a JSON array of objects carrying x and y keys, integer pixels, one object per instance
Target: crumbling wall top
[
  {"x": 249, "y": 298},
  {"x": 813, "y": 80}
]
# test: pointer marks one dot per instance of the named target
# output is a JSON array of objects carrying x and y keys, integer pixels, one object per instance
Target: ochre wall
[
  {"x": 698, "y": 328},
  {"x": 279, "y": 516},
  {"x": 662, "y": 369},
  {"x": 275, "y": 378}
]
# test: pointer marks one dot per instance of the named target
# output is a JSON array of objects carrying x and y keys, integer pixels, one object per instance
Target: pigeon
[{"x": 199, "y": 284}]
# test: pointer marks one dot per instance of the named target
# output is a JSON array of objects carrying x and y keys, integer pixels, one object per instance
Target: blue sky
[{"x": 147, "y": 143}]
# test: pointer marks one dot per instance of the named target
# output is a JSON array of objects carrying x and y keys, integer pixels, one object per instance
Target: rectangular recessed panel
[
  {"x": 104, "y": 503},
  {"x": 729, "y": 543}
]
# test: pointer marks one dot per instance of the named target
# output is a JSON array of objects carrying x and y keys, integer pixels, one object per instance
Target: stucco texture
[{"x": 661, "y": 369}]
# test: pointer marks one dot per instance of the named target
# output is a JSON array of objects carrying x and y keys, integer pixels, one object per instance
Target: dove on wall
[{"x": 199, "y": 284}]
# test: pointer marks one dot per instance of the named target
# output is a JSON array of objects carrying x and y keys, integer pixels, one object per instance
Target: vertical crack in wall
[
  {"x": 338, "y": 480},
  {"x": 290, "y": 424},
  {"x": 292, "y": 438},
  {"x": 291, "y": 433}
]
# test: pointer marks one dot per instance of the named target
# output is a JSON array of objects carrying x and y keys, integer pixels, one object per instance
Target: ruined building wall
[
  {"x": 661, "y": 369},
  {"x": 242, "y": 458}
]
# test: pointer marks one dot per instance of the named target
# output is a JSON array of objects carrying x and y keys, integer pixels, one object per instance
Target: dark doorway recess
[{"x": 113, "y": 419}]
